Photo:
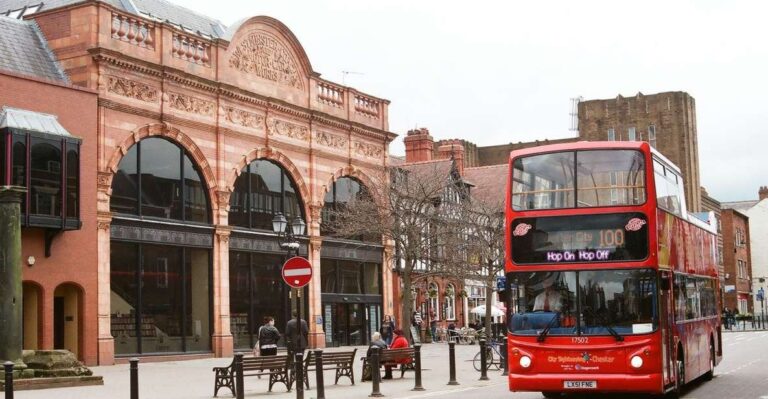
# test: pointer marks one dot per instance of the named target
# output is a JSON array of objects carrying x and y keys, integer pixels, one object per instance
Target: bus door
[{"x": 666, "y": 326}]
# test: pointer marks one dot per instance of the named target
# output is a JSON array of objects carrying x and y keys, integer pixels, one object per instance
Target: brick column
[
  {"x": 222, "y": 336},
  {"x": 106, "y": 343}
]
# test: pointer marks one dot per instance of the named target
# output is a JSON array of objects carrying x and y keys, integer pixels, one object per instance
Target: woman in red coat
[{"x": 398, "y": 342}]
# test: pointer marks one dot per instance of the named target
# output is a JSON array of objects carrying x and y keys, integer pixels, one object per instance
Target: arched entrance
[
  {"x": 67, "y": 325},
  {"x": 32, "y": 300},
  {"x": 160, "y": 251}
]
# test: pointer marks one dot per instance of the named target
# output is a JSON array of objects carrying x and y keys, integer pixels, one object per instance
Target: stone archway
[
  {"x": 32, "y": 315},
  {"x": 68, "y": 318},
  {"x": 174, "y": 135},
  {"x": 280, "y": 159}
]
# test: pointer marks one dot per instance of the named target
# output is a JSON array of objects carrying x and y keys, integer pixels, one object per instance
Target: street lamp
[
  {"x": 287, "y": 234},
  {"x": 288, "y": 239}
]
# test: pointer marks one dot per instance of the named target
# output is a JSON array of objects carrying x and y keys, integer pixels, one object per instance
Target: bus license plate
[{"x": 580, "y": 385}]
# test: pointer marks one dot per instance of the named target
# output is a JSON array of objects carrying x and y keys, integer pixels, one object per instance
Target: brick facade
[
  {"x": 737, "y": 260},
  {"x": 73, "y": 253},
  {"x": 225, "y": 105}
]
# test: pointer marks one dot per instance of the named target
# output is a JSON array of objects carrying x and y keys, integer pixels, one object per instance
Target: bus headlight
[
  {"x": 636, "y": 362},
  {"x": 525, "y": 362}
]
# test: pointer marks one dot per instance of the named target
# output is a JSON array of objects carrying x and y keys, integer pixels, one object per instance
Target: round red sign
[{"x": 297, "y": 272}]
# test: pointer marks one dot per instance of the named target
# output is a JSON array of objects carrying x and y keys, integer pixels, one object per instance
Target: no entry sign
[{"x": 297, "y": 272}]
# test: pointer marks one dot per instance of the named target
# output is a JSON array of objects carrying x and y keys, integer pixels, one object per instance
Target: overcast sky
[{"x": 493, "y": 72}]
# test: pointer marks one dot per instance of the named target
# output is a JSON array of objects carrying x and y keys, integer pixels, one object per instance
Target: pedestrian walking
[
  {"x": 387, "y": 329},
  {"x": 267, "y": 338},
  {"x": 294, "y": 332}
]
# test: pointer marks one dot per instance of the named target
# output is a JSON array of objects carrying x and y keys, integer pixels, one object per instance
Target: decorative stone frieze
[
  {"x": 368, "y": 150},
  {"x": 243, "y": 118},
  {"x": 191, "y": 104},
  {"x": 287, "y": 129},
  {"x": 262, "y": 55},
  {"x": 330, "y": 140},
  {"x": 132, "y": 89}
]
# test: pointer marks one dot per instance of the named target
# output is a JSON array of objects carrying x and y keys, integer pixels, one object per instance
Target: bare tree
[
  {"x": 411, "y": 208},
  {"x": 485, "y": 245}
]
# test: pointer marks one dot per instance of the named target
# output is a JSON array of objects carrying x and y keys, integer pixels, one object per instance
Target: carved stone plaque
[{"x": 262, "y": 55}]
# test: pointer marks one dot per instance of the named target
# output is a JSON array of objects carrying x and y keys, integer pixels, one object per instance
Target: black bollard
[
  {"x": 375, "y": 393},
  {"x": 504, "y": 357},
  {"x": 319, "y": 374},
  {"x": 8, "y": 380},
  {"x": 417, "y": 366},
  {"x": 134, "y": 377},
  {"x": 483, "y": 361},
  {"x": 452, "y": 363},
  {"x": 298, "y": 367},
  {"x": 239, "y": 384}
]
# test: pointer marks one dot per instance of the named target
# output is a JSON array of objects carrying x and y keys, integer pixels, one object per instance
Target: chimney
[
  {"x": 418, "y": 146},
  {"x": 763, "y": 192},
  {"x": 452, "y": 148}
]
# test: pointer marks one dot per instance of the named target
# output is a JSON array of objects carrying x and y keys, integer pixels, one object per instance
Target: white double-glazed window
[
  {"x": 652, "y": 135},
  {"x": 434, "y": 302},
  {"x": 611, "y": 135},
  {"x": 631, "y": 134},
  {"x": 450, "y": 302}
]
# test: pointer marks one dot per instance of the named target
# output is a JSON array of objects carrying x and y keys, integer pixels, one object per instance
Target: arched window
[
  {"x": 157, "y": 178},
  {"x": 450, "y": 302},
  {"x": 434, "y": 302},
  {"x": 343, "y": 191},
  {"x": 262, "y": 190}
]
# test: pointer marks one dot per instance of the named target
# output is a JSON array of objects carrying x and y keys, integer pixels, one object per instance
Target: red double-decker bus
[{"x": 614, "y": 284}]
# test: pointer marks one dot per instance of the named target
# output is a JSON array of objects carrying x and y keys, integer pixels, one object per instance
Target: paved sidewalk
[{"x": 193, "y": 379}]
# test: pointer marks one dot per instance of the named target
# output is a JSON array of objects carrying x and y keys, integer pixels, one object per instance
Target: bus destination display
[{"x": 579, "y": 239}]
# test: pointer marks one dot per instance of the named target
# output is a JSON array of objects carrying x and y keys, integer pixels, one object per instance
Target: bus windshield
[
  {"x": 587, "y": 302},
  {"x": 578, "y": 179}
]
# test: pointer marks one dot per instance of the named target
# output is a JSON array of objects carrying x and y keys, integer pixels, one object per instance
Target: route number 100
[{"x": 611, "y": 238}]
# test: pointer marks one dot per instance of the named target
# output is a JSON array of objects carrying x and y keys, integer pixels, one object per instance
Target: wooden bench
[
  {"x": 403, "y": 357},
  {"x": 340, "y": 361},
  {"x": 276, "y": 367}
]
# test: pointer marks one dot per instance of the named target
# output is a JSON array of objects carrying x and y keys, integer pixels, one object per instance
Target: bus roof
[{"x": 582, "y": 145}]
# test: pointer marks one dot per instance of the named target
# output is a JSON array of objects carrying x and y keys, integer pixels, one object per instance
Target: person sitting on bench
[{"x": 398, "y": 342}]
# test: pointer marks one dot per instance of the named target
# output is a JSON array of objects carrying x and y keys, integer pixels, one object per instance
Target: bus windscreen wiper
[
  {"x": 545, "y": 331},
  {"x": 604, "y": 323}
]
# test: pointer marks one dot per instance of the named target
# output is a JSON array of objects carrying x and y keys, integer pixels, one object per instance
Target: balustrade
[
  {"x": 190, "y": 49},
  {"x": 330, "y": 94},
  {"x": 133, "y": 30},
  {"x": 367, "y": 106}
]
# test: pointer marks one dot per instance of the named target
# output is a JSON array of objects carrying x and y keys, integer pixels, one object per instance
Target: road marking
[
  {"x": 739, "y": 368},
  {"x": 452, "y": 391}
]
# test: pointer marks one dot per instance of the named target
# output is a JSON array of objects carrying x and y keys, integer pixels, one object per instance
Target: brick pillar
[
  {"x": 222, "y": 340},
  {"x": 106, "y": 343}
]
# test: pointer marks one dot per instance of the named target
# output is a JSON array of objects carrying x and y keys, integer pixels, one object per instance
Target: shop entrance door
[{"x": 351, "y": 323}]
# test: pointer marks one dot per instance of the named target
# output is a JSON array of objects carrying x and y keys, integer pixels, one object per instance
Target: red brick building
[
  {"x": 737, "y": 261},
  {"x": 48, "y": 130},
  {"x": 202, "y": 134}
]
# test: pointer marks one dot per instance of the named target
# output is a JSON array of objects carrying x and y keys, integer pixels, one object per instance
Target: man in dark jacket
[{"x": 291, "y": 331}]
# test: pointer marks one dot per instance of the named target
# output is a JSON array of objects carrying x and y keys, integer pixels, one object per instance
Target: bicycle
[{"x": 491, "y": 347}]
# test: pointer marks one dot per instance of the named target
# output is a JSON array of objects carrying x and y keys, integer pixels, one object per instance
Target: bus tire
[
  {"x": 680, "y": 374},
  {"x": 711, "y": 373},
  {"x": 550, "y": 395}
]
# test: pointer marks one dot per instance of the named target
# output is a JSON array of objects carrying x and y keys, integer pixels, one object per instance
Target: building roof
[
  {"x": 29, "y": 120},
  {"x": 741, "y": 206},
  {"x": 490, "y": 183},
  {"x": 159, "y": 9},
  {"x": 437, "y": 167},
  {"x": 23, "y": 50}
]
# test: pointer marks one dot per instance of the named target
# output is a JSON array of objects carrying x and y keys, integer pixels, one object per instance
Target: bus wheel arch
[
  {"x": 680, "y": 364},
  {"x": 711, "y": 372}
]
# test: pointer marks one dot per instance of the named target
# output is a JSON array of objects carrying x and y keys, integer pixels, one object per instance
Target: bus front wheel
[{"x": 680, "y": 380}]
